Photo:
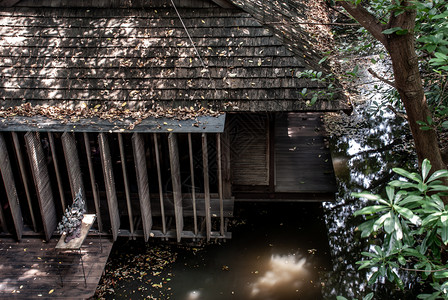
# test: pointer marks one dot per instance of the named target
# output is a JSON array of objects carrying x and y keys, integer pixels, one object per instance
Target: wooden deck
[
  {"x": 302, "y": 160},
  {"x": 32, "y": 269}
]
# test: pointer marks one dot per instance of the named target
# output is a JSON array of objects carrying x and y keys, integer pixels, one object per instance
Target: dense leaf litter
[{"x": 144, "y": 270}]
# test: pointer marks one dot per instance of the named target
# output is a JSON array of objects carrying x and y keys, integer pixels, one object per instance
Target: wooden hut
[{"x": 162, "y": 112}]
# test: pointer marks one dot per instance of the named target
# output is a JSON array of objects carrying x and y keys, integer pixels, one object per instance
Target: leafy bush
[{"x": 410, "y": 229}]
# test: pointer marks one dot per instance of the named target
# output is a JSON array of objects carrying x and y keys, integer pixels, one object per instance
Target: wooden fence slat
[
  {"x": 110, "y": 184},
  {"x": 42, "y": 182},
  {"x": 193, "y": 188},
  {"x": 72, "y": 162},
  {"x": 56, "y": 169},
  {"x": 126, "y": 183},
  {"x": 175, "y": 179},
  {"x": 142, "y": 182},
  {"x": 96, "y": 197},
  {"x": 23, "y": 174},
  {"x": 208, "y": 220},
  {"x": 10, "y": 187},
  {"x": 220, "y": 192},
  {"x": 159, "y": 178}
]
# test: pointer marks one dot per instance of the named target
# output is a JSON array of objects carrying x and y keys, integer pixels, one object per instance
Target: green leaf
[
  {"x": 444, "y": 234},
  {"x": 390, "y": 193},
  {"x": 369, "y": 196},
  {"x": 440, "y": 274},
  {"x": 410, "y": 199},
  {"x": 370, "y": 210},
  {"x": 408, "y": 214},
  {"x": 369, "y": 296},
  {"x": 374, "y": 277},
  {"x": 341, "y": 298},
  {"x": 392, "y": 30},
  {"x": 402, "y": 184},
  {"x": 426, "y": 167},
  {"x": 412, "y": 176},
  {"x": 389, "y": 223},
  {"x": 380, "y": 221}
]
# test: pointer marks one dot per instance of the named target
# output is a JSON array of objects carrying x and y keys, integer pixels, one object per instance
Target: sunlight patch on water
[{"x": 286, "y": 274}]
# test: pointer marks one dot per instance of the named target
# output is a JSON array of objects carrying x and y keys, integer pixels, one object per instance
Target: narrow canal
[{"x": 280, "y": 250}]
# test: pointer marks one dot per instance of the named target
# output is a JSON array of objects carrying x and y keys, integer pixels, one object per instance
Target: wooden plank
[
  {"x": 56, "y": 169},
  {"x": 76, "y": 243},
  {"x": 208, "y": 220},
  {"x": 159, "y": 179},
  {"x": 73, "y": 166},
  {"x": 141, "y": 172},
  {"x": 110, "y": 184},
  {"x": 42, "y": 182},
  {"x": 10, "y": 187},
  {"x": 220, "y": 192},
  {"x": 126, "y": 183},
  {"x": 23, "y": 174},
  {"x": 193, "y": 187},
  {"x": 96, "y": 197},
  {"x": 175, "y": 179}
]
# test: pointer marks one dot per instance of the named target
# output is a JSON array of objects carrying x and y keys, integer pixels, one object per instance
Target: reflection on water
[{"x": 287, "y": 274}]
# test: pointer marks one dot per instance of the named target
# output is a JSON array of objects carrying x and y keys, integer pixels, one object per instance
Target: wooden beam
[
  {"x": 220, "y": 192},
  {"x": 193, "y": 187},
  {"x": 110, "y": 184},
  {"x": 96, "y": 197},
  {"x": 56, "y": 169},
  {"x": 23, "y": 174},
  {"x": 38, "y": 162},
  {"x": 73, "y": 165},
  {"x": 141, "y": 171},
  {"x": 208, "y": 220},
  {"x": 10, "y": 187},
  {"x": 2, "y": 220},
  {"x": 159, "y": 178},
  {"x": 126, "y": 183},
  {"x": 175, "y": 179}
]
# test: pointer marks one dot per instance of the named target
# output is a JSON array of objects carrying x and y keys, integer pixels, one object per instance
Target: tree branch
[
  {"x": 366, "y": 19},
  {"x": 374, "y": 74}
]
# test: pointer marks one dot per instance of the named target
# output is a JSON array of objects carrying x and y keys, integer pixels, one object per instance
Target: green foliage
[
  {"x": 409, "y": 226},
  {"x": 327, "y": 80}
]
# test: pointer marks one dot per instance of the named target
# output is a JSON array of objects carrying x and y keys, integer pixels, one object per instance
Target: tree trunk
[{"x": 409, "y": 85}]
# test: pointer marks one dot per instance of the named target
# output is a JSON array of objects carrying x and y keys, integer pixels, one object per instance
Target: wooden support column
[
  {"x": 10, "y": 187},
  {"x": 143, "y": 183},
  {"x": 96, "y": 197},
  {"x": 193, "y": 188},
  {"x": 38, "y": 162},
  {"x": 271, "y": 153},
  {"x": 175, "y": 179},
  {"x": 159, "y": 178},
  {"x": 56, "y": 169},
  {"x": 126, "y": 183},
  {"x": 15, "y": 139},
  {"x": 110, "y": 184},
  {"x": 226, "y": 169},
  {"x": 73, "y": 165},
  {"x": 220, "y": 191},
  {"x": 208, "y": 220}
]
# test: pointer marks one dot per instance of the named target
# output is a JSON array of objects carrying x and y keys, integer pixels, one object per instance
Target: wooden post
[
  {"x": 221, "y": 202},
  {"x": 271, "y": 153},
  {"x": 126, "y": 183},
  {"x": 15, "y": 139},
  {"x": 42, "y": 182},
  {"x": 10, "y": 186},
  {"x": 226, "y": 169},
  {"x": 193, "y": 188},
  {"x": 56, "y": 169},
  {"x": 2, "y": 221},
  {"x": 110, "y": 184},
  {"x": 96, "y": 197},
  {"x": 143, "y": 183},
  {"x": 73, "y": 165},
  {"x": 175, "y": 179},
  {"x": 159, "y": 178},
  {"x": 208, "y": 220}
]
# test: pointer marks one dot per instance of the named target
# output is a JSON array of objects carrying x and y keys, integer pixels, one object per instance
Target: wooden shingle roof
[{"x": 142, "y": 57}]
